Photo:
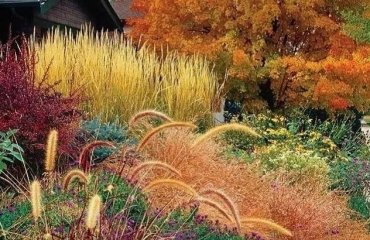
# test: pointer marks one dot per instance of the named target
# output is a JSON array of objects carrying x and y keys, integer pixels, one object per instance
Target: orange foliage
[
  {"x": 292, "y": 44},
  {"x": 335, "y": 83}
]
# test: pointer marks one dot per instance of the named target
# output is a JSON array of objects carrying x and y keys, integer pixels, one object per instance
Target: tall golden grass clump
[
  {"x": 51, "y": 151},
  {"x": 93, "y": 212},
  {"x": 35, "y": 189},
  {"x": 120, "y": 80}
]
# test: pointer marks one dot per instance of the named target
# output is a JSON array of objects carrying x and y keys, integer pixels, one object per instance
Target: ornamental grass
[{"x": 118, "y": 79}]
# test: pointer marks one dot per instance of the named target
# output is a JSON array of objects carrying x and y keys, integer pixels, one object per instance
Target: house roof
[
  {"x": 44, "y": 5},
  {"x": 124, "y": 10},
  {"x": 20, "y": 3}
]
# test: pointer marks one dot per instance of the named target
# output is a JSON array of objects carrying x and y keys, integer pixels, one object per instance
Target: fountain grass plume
[
  {"x": 35, "y": 189},
  {"x": 51, "y": 150},
  {"x": 229, "y": 203},
  {"x": 214, "y": 205},
  {"x": 71, "y": 175},
  {"x": 224, "y": 128},
  {"x": 148, "y": 113},
  {"x": 159, "y": 129},
  {"x": 171, "y": 183},
  {"x": 84, "y": 159},
  {"x": 93, "y": 212},
  {"x": 156, "y": 164},
  {"x": 269, "y": 224}
]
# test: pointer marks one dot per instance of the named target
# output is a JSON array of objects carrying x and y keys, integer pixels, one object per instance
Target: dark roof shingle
[{"x": 123, "y": 9}]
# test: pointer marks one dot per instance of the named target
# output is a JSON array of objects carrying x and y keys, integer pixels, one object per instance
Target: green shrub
[
  {"x": 16, "y": 216},
  {"x": 121, "y": 194},
  {"x": 360, "y": 204},
  {"x": 300, "y": 161},
  {"x": 9, "y": 151}
]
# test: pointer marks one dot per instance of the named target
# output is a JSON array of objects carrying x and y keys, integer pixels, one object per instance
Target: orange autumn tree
[
  {"x": 337, "y": 82},
  {"x": 281, "y": 47}
]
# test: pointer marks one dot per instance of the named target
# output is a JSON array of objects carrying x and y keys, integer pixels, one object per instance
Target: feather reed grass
[
  {"x": 161, "y": 128},
  {"x": 156, "y": 164},
  {"x": 35, "y": 189},
  {"x": 224, "y": 128},
  {"x": 93, "y": 212},
  {"x": 74, "y": 174},
  {"x": 51, "y": 151},
  {"x": 120, "y": 80}
]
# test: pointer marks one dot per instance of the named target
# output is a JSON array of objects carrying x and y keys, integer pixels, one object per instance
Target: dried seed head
[
  {"x": 148, "y": 113},
  {"x": 93, "y": 212},
  {"x": 171, "y": 183},
  {"x": 224, "y": 128},
  {"x": 73, "y": 174},
  {"x": 35, "y": 189},
  {"x": 159, "y": 129},
  {"x": 156, "y": 164},
  {"x": 51, "y": 151}
]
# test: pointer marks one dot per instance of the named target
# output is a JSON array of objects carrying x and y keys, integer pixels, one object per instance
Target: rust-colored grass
[
  {"x": 228, "y": 202},
  {"x": 310, "y": 213},
  {"x": 268, "y": 224}
]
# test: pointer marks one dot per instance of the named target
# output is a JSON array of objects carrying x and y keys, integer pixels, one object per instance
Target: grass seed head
[
  {"x": 93, "y": 212},
  {"x": 35, "y": 189},
  {"x": 156, "y": 164},
  {"x": 171, "y": 183},
  {"x": 148, "y": 113},
  {"x": 161, "y": 128},
  {"x": 71, "y": 175},
  {"x": 224, "y": 128},
  {"x": 51, "y": 151},
  {"x": 84, "y": 159}
]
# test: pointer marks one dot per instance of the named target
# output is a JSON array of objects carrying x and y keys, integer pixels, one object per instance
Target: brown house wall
[{"x": 68, "y": 12}]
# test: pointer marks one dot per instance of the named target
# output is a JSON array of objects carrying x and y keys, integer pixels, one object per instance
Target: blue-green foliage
[{"x": 112, "y": 132}]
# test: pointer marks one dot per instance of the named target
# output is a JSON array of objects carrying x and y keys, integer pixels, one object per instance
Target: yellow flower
[{"x": 109, "y": 188}]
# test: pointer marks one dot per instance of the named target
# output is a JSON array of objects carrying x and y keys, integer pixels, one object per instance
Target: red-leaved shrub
[{"x": 33, "y": 108}]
